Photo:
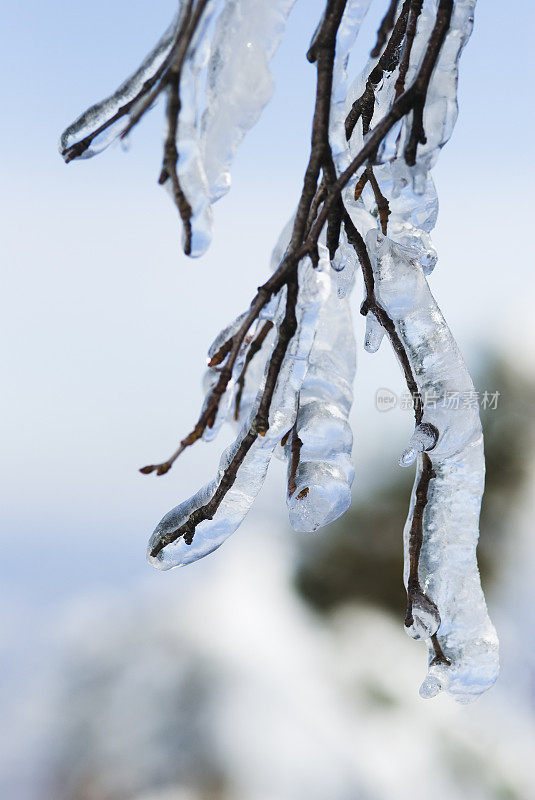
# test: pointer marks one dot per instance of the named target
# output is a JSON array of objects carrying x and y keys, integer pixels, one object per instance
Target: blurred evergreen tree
[{"x": 360, "y": 557}]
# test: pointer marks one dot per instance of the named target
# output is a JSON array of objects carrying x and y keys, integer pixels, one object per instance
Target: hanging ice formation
[
  {"x": 283, "y": 371},
  {"x": 218, "y": 51}
]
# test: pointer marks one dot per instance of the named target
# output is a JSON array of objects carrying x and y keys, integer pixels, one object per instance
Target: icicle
[
  {"x": 447, "y": 565},
  {"x": 190, "y": 166},
  {"x": 441, "y": 108},
  {"x": 374, "y": 333},
  {"x": 233, "y": 63},
  {"x": 449, "y": 570},
  {"x": 210, "y": 534},
  {"x": 354, "y": 13},
  {"x": 239, "y": 81},
  {"x": 320, "y": 472}
]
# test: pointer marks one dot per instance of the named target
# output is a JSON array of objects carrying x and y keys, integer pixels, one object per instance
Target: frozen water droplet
[
  {"x": 408, "y": 457},
  {"x": 431, "y": 686},
  {"x": 424, "y": 438}
]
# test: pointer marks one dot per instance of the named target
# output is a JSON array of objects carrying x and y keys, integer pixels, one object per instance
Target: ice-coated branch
[
  {"x": 115, "y": 116},
  {"x": 320, "y": 472},
  {"x": 387, "y": 23},
  {"x": 283, "y": 370},
  {"x": 441, "y": 574},
  {"x": 422, "y": 619},
  {"x": 363, "y": 106},
  {"x": 323, "y": 54},
  {"x": 199, "y": 64},
  {"x": 200, "y": 525},
  {"x": 371, "y": 306}
]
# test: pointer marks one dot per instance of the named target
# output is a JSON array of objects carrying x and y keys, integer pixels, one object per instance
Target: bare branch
[{"x": 296, "y": 445}]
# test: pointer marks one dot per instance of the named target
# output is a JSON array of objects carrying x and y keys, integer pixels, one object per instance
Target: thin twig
[
  {"x": 256, "y": 346},
  {"x": 295, "y": 446},
  {"x": 170, "y": 159},
  {"x": 416, "y": 535},
  {"x": 260, "y": 425},
  {"x": 371, "y": 304},
  {"x": 385, "y": 27},
  {"x": 360, "y": 184},
  {"x": 383, "y": 207},
  {"x": 439, "y": 658},
  {"x": 414, "y": 13},
  {"x": 364, "y": 105}
]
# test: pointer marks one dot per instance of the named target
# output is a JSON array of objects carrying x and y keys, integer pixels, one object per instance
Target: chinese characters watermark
[{"x": 386, "y": 400}]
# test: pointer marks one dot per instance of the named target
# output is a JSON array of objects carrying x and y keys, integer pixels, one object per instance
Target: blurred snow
[{"x": 234, "y": 689}]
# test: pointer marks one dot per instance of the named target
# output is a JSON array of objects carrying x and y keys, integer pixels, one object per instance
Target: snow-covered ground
[{"x": 232, "y": 688}]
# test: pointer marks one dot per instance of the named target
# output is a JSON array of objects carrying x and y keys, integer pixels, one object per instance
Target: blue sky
[{"x": 107, "y": 323}]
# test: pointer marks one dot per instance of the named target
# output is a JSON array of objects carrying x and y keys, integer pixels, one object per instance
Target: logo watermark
[{"x": 386, "y": 400}]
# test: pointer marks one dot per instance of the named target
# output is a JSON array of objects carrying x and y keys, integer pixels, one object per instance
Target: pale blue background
[{"x": 106, "y": 323}]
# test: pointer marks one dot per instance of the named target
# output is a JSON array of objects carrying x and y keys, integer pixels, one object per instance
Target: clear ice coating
[
  {"x": 424, "y": 438},
  {"x": 441, "y": 108},
  {"x": 210, "y": 534},
  {"x": 448, "y": 569},
  {"x": 410, "y": 189},
  {"x": 238, "y": 82},
  {"x": 118, "y": 105},
  {"x": 426, "y": 619},
  {"x": 374, "y": 333},
  {"x": 225, "y": 82},
  {"x": 354, "y": 13},
  {"x": 320, "y": 490}
]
